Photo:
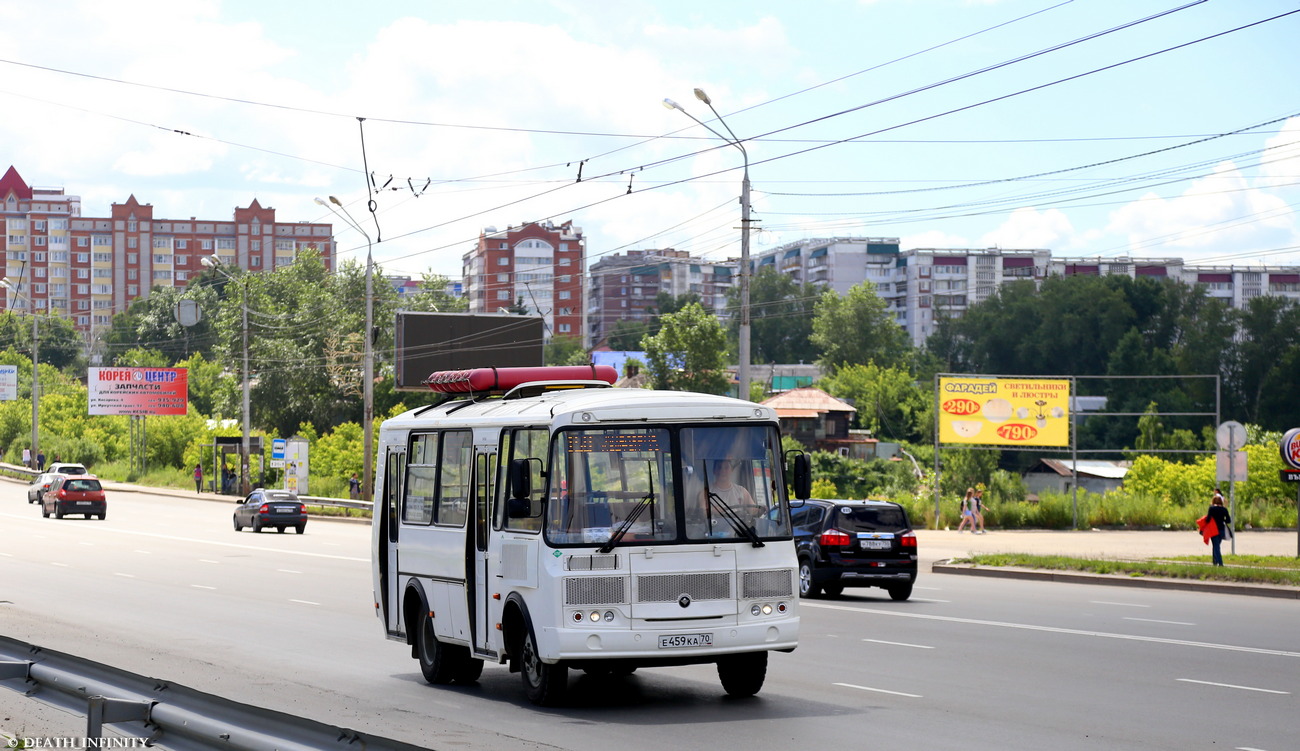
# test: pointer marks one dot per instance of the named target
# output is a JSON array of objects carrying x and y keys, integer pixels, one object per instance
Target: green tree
[
  {"x": 888, "y": 400},
  {"x": 858, "y": 328},
  {"x": 150, "y": 322},
  {"x": 58, "y": 342},
  {"x": 781, "y": 315},
  {"x": 565, "y": 350},
  {"x": 688, "y": 353},
  {"x": 433, "y": 296}
]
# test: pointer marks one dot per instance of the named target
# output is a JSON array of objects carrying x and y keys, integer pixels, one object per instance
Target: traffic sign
[
  {"x": 1230, "y": 466},
  {"x": 1230, "y": 435}
]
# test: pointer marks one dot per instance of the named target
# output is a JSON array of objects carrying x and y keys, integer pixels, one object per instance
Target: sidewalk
[{"x": 938, "y": 546}]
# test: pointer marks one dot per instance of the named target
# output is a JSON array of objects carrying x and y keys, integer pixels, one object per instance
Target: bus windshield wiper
[
  {"x": 730, "y": 515},
  {"x": 641, "y": 505}
]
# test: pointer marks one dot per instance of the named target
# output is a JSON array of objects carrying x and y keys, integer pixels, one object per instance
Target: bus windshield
[{"x": 620, "y": 486}]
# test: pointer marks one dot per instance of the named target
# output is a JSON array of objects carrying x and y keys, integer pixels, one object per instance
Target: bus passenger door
[
  {"x": 386, "y": 540},
  {"x": 480, "y": 587}
]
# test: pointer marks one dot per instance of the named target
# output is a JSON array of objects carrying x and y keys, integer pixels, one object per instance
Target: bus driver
[{"x": 721, "y": 489}]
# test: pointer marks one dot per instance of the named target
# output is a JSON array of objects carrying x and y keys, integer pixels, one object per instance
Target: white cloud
[
  {"x": 1281, "y": 165},
  {"x": 1028, "y": 228}
]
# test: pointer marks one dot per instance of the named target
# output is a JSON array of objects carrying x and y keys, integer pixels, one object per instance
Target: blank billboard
[{"x": 431, "y": 342}]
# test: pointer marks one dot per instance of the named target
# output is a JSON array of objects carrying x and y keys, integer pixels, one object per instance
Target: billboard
[
  {"x": 1004, "y": 411},
  {"x": 8, "y": 383},
  {"x": 431, "y": 342},
  {"x": 138, "y": 391}
]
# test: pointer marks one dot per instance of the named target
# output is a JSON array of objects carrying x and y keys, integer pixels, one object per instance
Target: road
[{"x": 166, "y": 588}]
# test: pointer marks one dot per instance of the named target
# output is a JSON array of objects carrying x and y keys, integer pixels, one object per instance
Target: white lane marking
[
  {"x": 878, "y": 690},
  {"x": 129, "y": 576},
  {"x": 1248, "y": 748},
  {"x": 929, "y": 589},
  {"x": 898, "y": 644},
  {"x": 7, "y": 555},
  {"x": 207, "y": 560},
  {"x": 288, "y": 571},
  {"x": 927, "y": 599},
  {"x": 1121, "y": 604},
  {"x": 200, "y": 586},
  {"x": 97, "y": 529},
  {"x": 1055, "y": 630},
  {"x": 144, "y": 552},
  {"x": 87, "y": 544},
  {"x": 60, "y": 565},
  {"x": 1230, "y": 685},
  {"x": 305, "y": 602},
  {"x": 1154, "y": 620}
]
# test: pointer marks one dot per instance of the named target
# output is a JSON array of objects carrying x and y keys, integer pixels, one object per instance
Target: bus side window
[
  {"x": 524, "y": 443},
  {"x": 420, "y": 489},
  {"x": 453, "y": 480}
]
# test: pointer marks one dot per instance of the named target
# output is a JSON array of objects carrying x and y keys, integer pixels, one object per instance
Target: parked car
[
  {"x": 40, "y": 484},
  {"x": 854, "y": 544},
  {"x": 67, "y": 468},
  {"x": 271, "y": 508},
  {"x": 75, "y": 494}
]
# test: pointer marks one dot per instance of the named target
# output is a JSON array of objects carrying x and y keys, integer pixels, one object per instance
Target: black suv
[{"x": 854, "y": 544}]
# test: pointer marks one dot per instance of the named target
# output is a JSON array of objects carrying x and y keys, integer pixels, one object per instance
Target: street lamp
[
  {"x": 368, "y": 378},
  {"x": 213, "y": 262},
  {"x": 742, "y": 369},
  {"x": 36, "y": 381}
]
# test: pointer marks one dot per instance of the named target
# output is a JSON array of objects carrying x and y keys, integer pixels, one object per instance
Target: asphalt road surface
[{"x": 165, "y": 587}]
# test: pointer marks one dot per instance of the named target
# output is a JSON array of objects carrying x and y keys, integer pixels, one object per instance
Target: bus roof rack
[{"x": 479, "y": 381}]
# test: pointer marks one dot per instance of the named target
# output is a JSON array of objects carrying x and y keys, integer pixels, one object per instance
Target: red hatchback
[{"x": 75, "y": 494}]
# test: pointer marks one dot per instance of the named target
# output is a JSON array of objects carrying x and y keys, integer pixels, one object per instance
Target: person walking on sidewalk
[
  {"x": 966, "y": 515},
  {"x": 198, "y": 478},
  {"x": 1220, "y": 516},
  {"x": 977, "y": 511},
  {"x": 354, "y": 487}
]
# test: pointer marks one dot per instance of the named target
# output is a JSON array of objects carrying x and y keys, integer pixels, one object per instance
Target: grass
[{"x": 1239, "y": 569}]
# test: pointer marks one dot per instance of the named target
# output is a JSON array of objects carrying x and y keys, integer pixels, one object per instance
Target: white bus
[{"x": 567, "y": 524}]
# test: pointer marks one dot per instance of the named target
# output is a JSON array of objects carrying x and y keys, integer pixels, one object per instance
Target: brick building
[
  {"x": 625, "y": 286},
  {"x": 90, "y": 268},
  {"x": 539, "y": 266}
]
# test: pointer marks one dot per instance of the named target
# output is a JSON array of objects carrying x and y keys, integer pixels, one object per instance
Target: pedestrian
[
  {"x": 354, "y": 487},
  {"x": 1219, "y": 515},
  {"x": 966, "y": 516},
  {"x": 27, "y": 457},
  {"x": 198, "y": 478},
  {"x": 977, "y": 511},
  {"x": 40, "y": 461}
]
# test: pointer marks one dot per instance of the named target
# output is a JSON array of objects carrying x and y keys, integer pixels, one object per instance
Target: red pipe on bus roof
[{"x": 479, "y": 380}]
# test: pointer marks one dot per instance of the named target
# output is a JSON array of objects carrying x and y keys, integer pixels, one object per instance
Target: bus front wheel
[
  {"x": 545, "y": 684},
  {"x": 743, "y": 674},
  {"x": 436, "y": 660}
]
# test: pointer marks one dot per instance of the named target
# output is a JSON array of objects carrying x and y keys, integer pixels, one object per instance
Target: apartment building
[
  {"x": 921, "y": 285},
  {"x": 90, "y": 268},
  {"x": 624, "y": 286},
  {"x": 539, "y": 266}
]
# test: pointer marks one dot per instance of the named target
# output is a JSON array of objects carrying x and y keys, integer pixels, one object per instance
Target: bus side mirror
[
  {"x": 802, "y": 477},
  {"x": 521, "y": 480},
  {"x": 519, "y": 508}
]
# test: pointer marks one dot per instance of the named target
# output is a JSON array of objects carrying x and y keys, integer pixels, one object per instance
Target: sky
[{"x": 1093, "y": 128}]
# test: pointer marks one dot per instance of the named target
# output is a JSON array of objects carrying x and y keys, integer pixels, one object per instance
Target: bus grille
[
  {"x": 756, "y": 584},
  {"x": 668, "y": 587},
  {"x": 595, "y": 590}
]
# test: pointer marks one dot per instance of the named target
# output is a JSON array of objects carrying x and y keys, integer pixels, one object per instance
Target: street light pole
[
  {"x": 36, "y": 380},
  {"x": 743, "y": 354},
  {"x": 214, "y": 262},
  {"x": 368, "y": 376}
]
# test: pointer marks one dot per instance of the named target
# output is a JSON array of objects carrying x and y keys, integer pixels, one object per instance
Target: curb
[{"x": 1139, "y": 582}]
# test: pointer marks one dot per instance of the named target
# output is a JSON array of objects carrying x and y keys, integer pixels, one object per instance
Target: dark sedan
[
  {"x": 271, "y": 508},
  {"x": 854, "y": 544}
]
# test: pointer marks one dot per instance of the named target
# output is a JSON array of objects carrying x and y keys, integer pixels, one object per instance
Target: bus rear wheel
[
  {"x": 743, "y": 674},
  {"x": 545, "y": 684}
]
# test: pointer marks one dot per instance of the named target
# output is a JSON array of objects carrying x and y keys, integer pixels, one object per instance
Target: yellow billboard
[{"x": 1004, "y": 411}]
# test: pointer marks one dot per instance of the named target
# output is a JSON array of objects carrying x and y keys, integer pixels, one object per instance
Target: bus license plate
[{"x": 674, "y": 641}]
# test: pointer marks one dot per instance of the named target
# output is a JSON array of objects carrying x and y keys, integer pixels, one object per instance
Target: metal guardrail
[
  {"x": 165, "y": 714},
  {"x": 25, "y": 474}
]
